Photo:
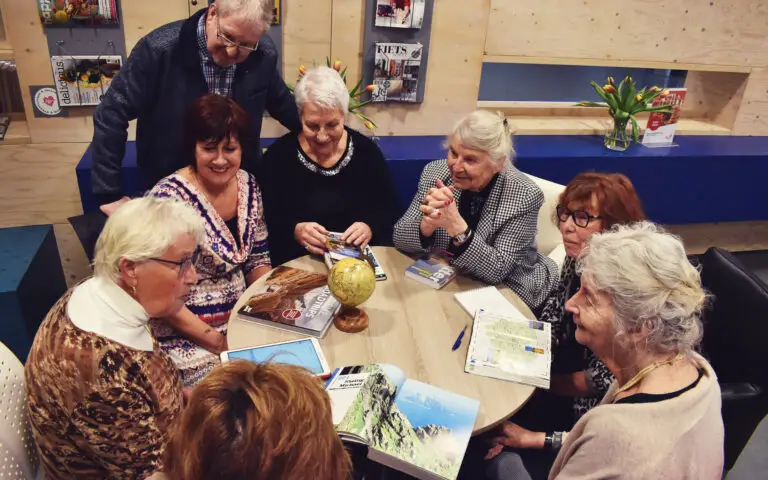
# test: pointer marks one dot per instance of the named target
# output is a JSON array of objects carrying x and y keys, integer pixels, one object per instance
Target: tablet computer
[{"x": 303, "y": 353}]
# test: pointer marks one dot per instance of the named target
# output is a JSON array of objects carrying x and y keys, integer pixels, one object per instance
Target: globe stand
[{"x": 351, "y": 320}]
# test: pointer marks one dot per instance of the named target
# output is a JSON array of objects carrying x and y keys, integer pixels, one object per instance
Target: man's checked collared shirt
[{"x": 219, "y": 79}]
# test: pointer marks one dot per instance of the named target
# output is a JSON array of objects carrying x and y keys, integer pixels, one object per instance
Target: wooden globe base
[{"x": 351, "y": 320}]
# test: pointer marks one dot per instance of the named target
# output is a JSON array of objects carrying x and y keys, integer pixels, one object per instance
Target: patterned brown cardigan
[{"x": 98, "y": 409}]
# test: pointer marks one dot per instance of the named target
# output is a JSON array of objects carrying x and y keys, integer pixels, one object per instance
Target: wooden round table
[{"x": 411, "y": 326}]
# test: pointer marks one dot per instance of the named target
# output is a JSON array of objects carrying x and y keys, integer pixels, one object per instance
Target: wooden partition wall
[{"x": 723, "y": 44}]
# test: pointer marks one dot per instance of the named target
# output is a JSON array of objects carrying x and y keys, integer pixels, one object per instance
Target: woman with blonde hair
[
  {"x": 102, "y": 393},
  {"x": 257, "y": 422},
  {"x": 638, "y": 309},
  {"x": 481, "y": 210}
]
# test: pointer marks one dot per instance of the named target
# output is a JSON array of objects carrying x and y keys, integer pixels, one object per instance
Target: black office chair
[{"x": 736, "y": 344}]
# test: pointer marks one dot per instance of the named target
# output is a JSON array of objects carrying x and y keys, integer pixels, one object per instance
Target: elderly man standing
[{"x": 222, "y": 49}]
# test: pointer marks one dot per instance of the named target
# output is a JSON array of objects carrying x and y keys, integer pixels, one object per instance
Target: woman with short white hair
[
  {"x": 638, "y": 309},
  {"x": 102, "y": 393},
  {"x": 481, "y": 210},
  {"x": 324, "y": 178}
]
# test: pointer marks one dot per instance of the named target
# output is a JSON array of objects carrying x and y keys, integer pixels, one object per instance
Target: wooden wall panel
[
  {"x": 714, "y": 96},
  {"x": 752, "y": 117},
  {"x": 140, "y": 18},
  {"x": 718, "y": 32}
]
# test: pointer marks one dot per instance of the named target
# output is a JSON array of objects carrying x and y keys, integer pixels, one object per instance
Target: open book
[
  {"x": 410, "y": 426},
  {"x": 510, "y": 347}
]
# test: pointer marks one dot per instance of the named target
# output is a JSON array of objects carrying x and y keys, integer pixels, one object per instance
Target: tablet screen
[{"x": 300, "y": 353}]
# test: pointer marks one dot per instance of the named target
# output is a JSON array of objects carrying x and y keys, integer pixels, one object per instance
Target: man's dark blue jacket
[{"x": 161, "y": 78}]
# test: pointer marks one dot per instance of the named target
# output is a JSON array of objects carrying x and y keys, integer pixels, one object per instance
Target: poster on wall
[
  {"x": 84, "y": 79},
  {"x": 78, "y": 13},
  {"x": 661, "y": 127},
  {"x": 400, "y": 13},
  {"x": 397, "y": 69}
]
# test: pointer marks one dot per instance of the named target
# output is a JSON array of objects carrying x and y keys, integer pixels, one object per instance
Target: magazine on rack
[
  {"x": 397, "y": 72},
  {"x": 400, "y": 13}
]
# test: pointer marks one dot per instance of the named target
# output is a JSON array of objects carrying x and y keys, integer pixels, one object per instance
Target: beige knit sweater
[{"x": 679, "y": 438}]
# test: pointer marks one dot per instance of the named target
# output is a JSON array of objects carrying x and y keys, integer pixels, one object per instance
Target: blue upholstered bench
[
  {"x": 31, "y": 280},
  {"x": 704, "y": 179}
]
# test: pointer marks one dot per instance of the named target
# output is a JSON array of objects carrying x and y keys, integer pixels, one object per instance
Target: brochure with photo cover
[
  {"x": 84, "y": 79},
  {"x": 661, "y": 127},
  {"x": 295, "y": 300},
  {"x": 78, "y": 13},
  {"x": 400, "y": 13},
  {"x": 410, "y": 426},
  {"x": 337, "y": 250},
  {"x": 396, "y": 74}
]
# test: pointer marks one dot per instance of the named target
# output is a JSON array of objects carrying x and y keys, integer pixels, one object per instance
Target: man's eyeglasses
[
  {"x": 580, "y": 217},
  {"x": 231, "y": 43},
  {"x": 184, "y": 265}
]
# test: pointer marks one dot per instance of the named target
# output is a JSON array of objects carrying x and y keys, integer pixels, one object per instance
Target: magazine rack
[
  {"x": 374, "y": 34},
  {"x": 109, "y": 50}
]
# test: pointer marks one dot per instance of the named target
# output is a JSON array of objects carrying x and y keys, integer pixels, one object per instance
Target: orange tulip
[
  {"x": 337, "y": 65},
  {"x": 665, "y": 92},
  {"x": 654, "y": 89},
  {"x": 638, "y": 97},
  {"x": 302, "y": 70},
  {"x": 369, "y": 125},
  {"x": 627, "y": 79},
  {"x": 611, "y": 81},
  {"x": 609, "y": 89},
  {"x": 370, "y": 88}
]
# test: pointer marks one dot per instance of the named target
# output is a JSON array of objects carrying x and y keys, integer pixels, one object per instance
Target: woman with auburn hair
[
  {"x": 235, "y": 251},
  {"x": 591, "y": 203},
  {"x": 256, "y": 421}
]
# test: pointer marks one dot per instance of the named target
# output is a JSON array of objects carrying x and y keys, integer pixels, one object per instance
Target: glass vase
[{"x": 618, "y": 138}]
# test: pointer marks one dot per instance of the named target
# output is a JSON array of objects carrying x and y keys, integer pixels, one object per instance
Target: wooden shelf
[
  {"x": 540, "y": 125},
  {"x": 615, "y": 62},
  {"x": 17, "y": 134},
  {"x": 6, "y": 52}
]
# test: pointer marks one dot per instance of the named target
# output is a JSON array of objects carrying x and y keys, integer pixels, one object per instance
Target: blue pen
[{"x": 457, "y": 344}]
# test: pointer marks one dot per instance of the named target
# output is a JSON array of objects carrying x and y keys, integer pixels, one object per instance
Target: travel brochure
[
  {"x": 410, "y": 426},
  {"x": 661, "y": 127}
]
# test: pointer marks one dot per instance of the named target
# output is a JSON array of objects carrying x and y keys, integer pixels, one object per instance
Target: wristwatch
[{"x": 459, "y": 239}]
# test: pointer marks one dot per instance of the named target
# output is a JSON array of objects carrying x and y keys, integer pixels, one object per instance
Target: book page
[
  {"x": 361, "y": 395},
  {"x": 428, "y": 427}
]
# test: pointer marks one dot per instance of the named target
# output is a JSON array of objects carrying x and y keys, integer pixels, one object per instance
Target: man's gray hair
[
  {"x": 256, "y": 12},
  {"x": 324, "y": 87},
  {"x": 143, "y": 228},
  {"x": 646, "y": 273},
  {"x": 485, "y": 131}
]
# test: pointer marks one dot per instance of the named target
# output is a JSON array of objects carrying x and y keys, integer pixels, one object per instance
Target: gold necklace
[{"x": 642, "y": 373}]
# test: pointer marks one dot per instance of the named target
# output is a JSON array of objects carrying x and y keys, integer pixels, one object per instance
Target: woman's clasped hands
[{"x": 441, "y": 211}]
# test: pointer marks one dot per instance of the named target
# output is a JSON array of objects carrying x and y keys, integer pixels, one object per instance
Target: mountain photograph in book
[
  {"x": 293, "y": 299},
  {"x": 411, "y": 426},
  {"x": 396, "y": 74},
  {"x": 400, "y": 13}
]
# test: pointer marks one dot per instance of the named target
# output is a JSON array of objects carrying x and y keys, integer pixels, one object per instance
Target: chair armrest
[{"x": 739, "y": 391}]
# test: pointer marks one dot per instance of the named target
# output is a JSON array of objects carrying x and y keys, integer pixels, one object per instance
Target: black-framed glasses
[
  {"x": 231, "y": 43},
  {"x": 184, "y": 265},
  {"x": 580, "y": 217}
]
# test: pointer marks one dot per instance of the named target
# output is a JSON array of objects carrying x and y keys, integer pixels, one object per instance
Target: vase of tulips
[
  {"x": 624, "y": 102},
  {"x": 354, "y": 95}
]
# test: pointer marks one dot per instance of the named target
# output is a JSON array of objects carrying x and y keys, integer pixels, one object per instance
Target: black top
[
  {"x": 295, "y": 189},
  {"x": 232, "y": 226},
  {"x": 658, "y": 397},
  {"x": 156, "y": 85}
]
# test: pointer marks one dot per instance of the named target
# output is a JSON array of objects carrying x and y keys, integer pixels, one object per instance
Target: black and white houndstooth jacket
[{"x": 502, "y": 249}]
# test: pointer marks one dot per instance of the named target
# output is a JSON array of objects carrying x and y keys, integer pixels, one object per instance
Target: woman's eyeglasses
[
  {"x": 231, "y": 43},
  {"x": 184, "y": 265},
  {"x": 580, "y": 217}
]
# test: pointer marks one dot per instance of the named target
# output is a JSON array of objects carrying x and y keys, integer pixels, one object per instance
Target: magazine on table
[
  {"x": 408, "y": 425},
  {"x": 295, "y": 300},
  {"x": 508, "y": 346},
  {"x": 432, "y": 270}
]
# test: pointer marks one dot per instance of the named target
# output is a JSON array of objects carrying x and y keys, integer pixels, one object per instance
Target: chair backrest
[
  {"x": 18, "y": 452},
  {"x": 548, "y": 236}
]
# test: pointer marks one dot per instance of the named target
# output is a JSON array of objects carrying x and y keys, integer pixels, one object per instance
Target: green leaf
[
  {"x": 354, "y": 90},
  {"x": 603, "y": 94},
  {"x": 328, "y": 61},
  {"x": 620, "y": 92},
  {"x": 343, "y": 74},
  {"x": 628, "y": 98},
  {"x": 658, "y": 108},
  {"x": 591, "y": 104},
  {"x": 635, "y": 129}
]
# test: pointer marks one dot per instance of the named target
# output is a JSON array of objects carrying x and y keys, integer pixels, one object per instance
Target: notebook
[{"x": 487, "y": 298}]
